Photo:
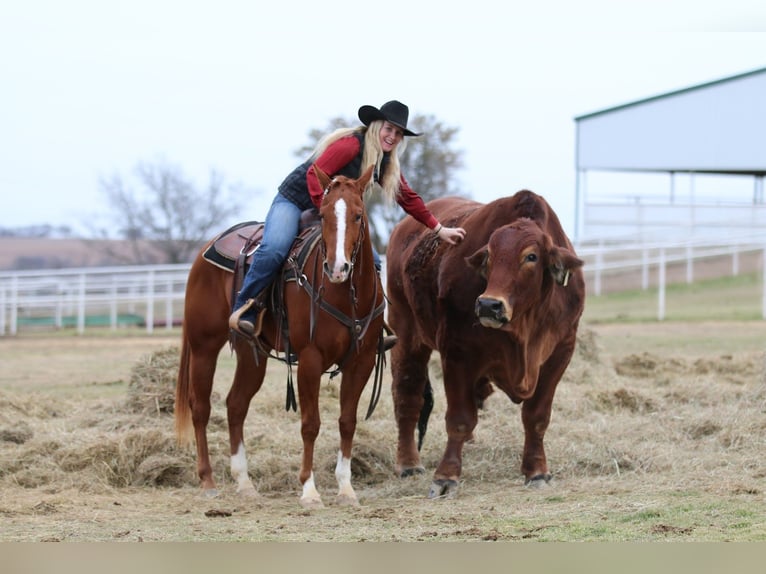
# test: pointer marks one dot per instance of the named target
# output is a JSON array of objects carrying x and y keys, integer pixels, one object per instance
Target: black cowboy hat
[{"x": 393, "y": 112}]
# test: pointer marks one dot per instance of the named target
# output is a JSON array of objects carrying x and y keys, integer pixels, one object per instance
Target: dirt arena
[{"x": 658, "y": 433}]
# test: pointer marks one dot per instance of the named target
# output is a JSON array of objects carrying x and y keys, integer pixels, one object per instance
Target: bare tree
[
  {"x": 429, "y": 163},
  {"x": 166, "y": 218}
]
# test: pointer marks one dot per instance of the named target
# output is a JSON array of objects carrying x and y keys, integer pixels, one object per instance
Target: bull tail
[{"x": 425, "y": 412}]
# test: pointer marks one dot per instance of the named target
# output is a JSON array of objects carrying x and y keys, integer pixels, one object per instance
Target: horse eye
[{"x": 531, "y": 257}]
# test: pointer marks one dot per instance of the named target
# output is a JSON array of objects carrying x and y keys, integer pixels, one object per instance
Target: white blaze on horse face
[{"x": 341, "y": 267}]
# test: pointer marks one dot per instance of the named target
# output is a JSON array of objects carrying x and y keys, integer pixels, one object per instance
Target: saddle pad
[{"x": 226, "y": 248}]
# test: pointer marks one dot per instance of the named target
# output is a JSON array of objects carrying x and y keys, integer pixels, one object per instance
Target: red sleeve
[
  {"x": 414, "y": 205},
  {"x": 337, "y": 155}
]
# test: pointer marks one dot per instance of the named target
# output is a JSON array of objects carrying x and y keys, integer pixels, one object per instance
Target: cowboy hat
[{"x": 393, "y": 112}]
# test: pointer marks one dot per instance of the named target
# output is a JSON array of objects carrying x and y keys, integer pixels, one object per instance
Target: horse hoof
[
  {"x": 538, "y": 481},
  {"x": 346, "y": 500},
  {"x": 210, "y": 493},
  {"x": 412, "y": 471},
  {"x": 443, "y": 488},
  {"x": 248, "y": 492},
  {"x": 311, "y": 503}
]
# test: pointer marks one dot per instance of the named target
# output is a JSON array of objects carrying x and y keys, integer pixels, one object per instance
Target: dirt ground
[{"x": 657, "y": 434}]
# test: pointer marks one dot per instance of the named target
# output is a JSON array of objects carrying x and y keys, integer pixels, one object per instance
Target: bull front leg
[
  {"x": 461, "y": 418},
  {"x": 409, "y": 369}
]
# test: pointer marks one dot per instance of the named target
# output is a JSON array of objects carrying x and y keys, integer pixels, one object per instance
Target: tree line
[{"x": 159, "y": 212}]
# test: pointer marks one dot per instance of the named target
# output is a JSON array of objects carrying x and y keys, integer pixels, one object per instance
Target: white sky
[{"x": 89, "y": 88}]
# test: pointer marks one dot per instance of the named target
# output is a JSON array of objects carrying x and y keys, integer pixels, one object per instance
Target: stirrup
[{"x": 244, "y": 327}]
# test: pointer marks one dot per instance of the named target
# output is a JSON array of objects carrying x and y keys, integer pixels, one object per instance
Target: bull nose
[{"x": 490, "y": 308}]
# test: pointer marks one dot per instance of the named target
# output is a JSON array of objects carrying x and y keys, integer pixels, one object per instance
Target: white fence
[
  {"x": 631, "y": 258},
  {"x": 152, "y": 296},
  {"x": 111, "y": 296}
]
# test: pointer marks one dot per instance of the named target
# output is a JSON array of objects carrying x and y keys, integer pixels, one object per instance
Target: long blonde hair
[{"x": 371, "y": 155}]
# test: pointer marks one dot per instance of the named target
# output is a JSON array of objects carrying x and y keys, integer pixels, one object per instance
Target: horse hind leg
[{"x": 248, "y": 378}]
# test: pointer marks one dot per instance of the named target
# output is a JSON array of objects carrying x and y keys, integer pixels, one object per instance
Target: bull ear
[
  {"x": 324, "y": 179},
  {"x": 478, "y": 261},
  {"x": 562, "y": 263}
]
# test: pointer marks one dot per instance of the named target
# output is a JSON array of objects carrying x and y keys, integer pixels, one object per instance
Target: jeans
[{"x": 280, "y": 230}]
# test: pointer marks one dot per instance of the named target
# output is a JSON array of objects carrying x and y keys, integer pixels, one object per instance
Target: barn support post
[{"x": 661, "y": 290}]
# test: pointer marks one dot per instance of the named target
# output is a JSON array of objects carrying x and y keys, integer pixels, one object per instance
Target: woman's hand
[{"x": 453, "y": 235}]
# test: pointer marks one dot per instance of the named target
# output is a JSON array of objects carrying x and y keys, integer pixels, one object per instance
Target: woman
[{"x": 349, "y": 152}]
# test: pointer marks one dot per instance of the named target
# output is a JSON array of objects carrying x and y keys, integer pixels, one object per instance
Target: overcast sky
[{"x": 92, "y": 87}]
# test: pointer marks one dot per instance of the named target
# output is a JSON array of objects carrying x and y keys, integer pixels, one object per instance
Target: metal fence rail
[
  {"x": 110, "y": 296},
  {"x": 152, "y": 296}
]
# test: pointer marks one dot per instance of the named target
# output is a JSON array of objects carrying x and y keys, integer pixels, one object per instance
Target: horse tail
[{"x": 182, "y": 408}]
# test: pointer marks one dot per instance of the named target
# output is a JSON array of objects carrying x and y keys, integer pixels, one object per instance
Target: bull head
[{"x": 514, "y": 263}]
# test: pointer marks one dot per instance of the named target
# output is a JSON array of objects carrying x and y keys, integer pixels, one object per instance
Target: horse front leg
[
  {"x": 309, "y": 375},
  {"x": 354, "y": 380}
]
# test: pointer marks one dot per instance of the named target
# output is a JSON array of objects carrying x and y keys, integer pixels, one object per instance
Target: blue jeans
[{"x": 280, "y": 230}]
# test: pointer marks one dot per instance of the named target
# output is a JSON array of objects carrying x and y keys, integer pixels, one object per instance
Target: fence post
[
  {"x": 13, "y": 326},
  {"x": 661, "y": 290},
  {"x": 150, "y": 302},
  {"x": 597, "y": 275},
  {"x": 763, "y": 283},
  {"x": 644, "y": 269},
  {"x": 689, "y": 264},
  {"x": 81, "y": 305}
]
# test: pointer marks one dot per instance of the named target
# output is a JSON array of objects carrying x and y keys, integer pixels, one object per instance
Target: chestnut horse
[{"x": 334, "y": 316}]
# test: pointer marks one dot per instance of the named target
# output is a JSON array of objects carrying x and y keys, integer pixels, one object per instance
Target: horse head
[{"x": 344, "y": 222}]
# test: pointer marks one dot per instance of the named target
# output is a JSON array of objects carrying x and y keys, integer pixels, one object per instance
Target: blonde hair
[{"x": 371, "y": 155}]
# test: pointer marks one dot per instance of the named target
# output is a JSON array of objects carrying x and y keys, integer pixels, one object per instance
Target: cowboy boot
[
  {"x": 390, "y": 339},
  {"x": 250, "y": 329}
]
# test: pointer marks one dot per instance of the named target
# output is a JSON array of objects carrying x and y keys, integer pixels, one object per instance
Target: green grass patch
[{"x": 737, "y": 298}]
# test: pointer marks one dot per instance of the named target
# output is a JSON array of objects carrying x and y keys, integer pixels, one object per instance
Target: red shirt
[{"x": 342, "y": 152}]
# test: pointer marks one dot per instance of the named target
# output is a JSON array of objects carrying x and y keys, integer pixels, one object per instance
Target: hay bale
[
  {"x": 19, "y": 434},
  {"x": 152, "y": 385}
]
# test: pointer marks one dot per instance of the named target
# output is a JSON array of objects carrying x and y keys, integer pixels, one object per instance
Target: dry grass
[{"x": 648, "y": 441}]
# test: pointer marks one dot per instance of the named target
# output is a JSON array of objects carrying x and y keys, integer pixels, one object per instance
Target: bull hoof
[
  {"x": 538, "y": 481},
  {"x": 412, "y": 471},
  {"x": 443, "y": 488}
]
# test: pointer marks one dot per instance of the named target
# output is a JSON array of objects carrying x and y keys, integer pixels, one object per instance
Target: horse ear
[
  {"x": 364, "y": 180},
  {"x": 324, "y": 179}
]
